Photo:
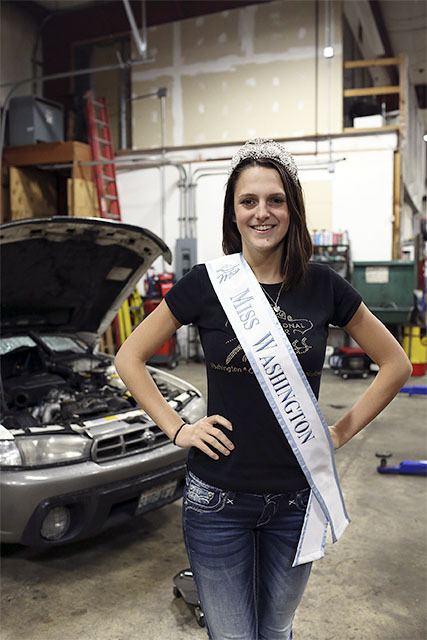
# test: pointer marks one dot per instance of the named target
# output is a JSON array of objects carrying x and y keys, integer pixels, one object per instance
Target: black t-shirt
[{"x": 262, "y": 460}]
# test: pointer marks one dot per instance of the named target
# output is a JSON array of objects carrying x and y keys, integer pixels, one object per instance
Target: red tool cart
[
  {"x": 156, "y": 287},
  {"x": 350, "y": 362}
]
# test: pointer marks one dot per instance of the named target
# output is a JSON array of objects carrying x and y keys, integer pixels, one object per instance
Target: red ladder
[{"x": 99, "y": 134}]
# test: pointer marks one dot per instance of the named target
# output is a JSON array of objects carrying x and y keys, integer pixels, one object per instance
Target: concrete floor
[{"x": 370, "y": 586}]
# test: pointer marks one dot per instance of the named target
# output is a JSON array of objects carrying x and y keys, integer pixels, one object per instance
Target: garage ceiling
[{"x": 406, "y": 26}]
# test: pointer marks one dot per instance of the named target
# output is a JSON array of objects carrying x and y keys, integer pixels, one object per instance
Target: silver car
[{"x": 77, "y": 454}]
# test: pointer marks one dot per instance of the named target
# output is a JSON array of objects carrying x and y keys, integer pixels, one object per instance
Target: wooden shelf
[
  {"x": 373, "y": 62},
  {"x": 384, "y": 128},
  {"x": 371, "y": 91},
  {"x": 34, "y": 186},
  {"x": 51, "y": 153}
]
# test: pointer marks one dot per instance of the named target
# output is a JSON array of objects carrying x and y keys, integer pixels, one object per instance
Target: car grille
[{"x": 128, "y": 443}]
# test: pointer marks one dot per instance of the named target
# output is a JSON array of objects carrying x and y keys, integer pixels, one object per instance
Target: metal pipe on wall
[
  {"x": 193, "y": 179},
  {"x": 141, "y": 44},
  {"x": 182, "y": 186},
  {"x": 329, "y": 43},
  {"x": 190, "y": 207},
  {"x": 123, "y": 129},
  {"x": 316, "y": 74},
  {"x": 162, "y": 96},
  {"x": 144, "y": 24},
  {"x": 161, "y": 93}
]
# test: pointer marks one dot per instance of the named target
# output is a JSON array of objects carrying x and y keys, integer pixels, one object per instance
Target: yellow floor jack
[{"x": 130, "y": 315}]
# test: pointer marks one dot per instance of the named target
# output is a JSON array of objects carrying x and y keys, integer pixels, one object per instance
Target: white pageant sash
[{"x": 290, "y": 396}]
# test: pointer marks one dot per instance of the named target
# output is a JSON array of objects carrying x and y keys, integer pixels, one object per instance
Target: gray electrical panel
[
  {"x": 33, "y": 120},
  {"x": 185, "y": 256}
]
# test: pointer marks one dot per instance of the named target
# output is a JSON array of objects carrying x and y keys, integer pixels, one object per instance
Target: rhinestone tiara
[{"x": 258, "y": 148}]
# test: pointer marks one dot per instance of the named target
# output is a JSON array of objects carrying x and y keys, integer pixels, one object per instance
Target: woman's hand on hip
[{"x": 204, "y": 435}]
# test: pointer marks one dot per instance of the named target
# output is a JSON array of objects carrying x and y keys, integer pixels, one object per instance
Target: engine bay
[{"x": 42, "y": 389}]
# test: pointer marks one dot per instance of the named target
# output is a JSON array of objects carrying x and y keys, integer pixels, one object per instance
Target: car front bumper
[{"x": 98, "y": 496}]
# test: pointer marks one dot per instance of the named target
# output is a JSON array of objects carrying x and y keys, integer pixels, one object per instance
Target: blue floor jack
[
  {"x": 415, "y": 390},
  {"x": 406, "y": 467}
]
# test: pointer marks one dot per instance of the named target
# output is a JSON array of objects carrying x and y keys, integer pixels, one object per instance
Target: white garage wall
[
  {"x": 140, "y": 203},
  {"x": 240, "y": 73},
  {"x": 357, "y": 196},
  {"x": 363, "y": 203},
  {"x": 209, "y": 208},
  {"x": 407, "y": 226}
]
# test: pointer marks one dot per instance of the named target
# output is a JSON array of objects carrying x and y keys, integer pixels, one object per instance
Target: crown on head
[{"x": 258, "y": 148}]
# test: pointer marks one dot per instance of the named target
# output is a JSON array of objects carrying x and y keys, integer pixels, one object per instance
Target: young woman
[{"x": 261, "y": 485}]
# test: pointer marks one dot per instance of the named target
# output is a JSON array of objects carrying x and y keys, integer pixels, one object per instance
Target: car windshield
[
  {"x": 10, "y": 344},
  {"x": 63, "y": 343}
]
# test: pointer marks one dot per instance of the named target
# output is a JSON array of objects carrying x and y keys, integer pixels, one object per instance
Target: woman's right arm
[{"x": 130, "y": 361}]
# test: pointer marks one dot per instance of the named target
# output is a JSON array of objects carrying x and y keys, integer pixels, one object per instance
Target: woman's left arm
[{"x": 394, "y": 369}]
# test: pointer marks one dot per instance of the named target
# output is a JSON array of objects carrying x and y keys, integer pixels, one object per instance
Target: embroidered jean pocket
[
  {"x": 298, "y": 501},
  {"x": 202, "y": 497}
]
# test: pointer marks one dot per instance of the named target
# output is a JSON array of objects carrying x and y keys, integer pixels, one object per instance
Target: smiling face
[{"x": 261, "y": 210}]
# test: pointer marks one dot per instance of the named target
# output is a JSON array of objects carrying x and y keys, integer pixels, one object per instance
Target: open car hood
[{"x": 71, "y": 274}]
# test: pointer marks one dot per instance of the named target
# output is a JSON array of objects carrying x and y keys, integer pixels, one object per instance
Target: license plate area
[{"x": 155, "y": 494}]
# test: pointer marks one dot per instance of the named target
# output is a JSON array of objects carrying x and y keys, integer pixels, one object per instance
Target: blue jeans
[{"x": 241, "y": 547}]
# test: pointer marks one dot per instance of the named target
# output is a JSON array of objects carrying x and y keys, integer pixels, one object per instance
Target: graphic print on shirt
[
  {"x": 240, "y": 364},
  {"x": 296, "y": 325},
  {"x": 291, "y": 326}
]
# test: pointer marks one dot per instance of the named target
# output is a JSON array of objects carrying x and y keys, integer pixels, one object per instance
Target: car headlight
[
  {"x": 195, "y": 410},
  {"x": 44, "y": 451},
  {"x": 9, "y": 454}
]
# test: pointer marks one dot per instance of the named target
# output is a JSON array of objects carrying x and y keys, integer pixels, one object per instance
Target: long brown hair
[{"x": 297, "y": 245}]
